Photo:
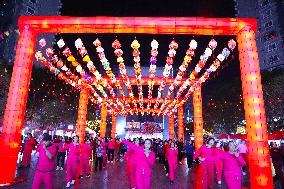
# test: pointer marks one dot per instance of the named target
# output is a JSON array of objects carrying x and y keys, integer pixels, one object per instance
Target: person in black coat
[{"x": 189, "y": 150}]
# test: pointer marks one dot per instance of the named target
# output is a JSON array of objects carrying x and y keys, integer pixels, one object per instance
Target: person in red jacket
[
  {"x": 28, "y": 148},
  {"x": 62, "y": 147}
]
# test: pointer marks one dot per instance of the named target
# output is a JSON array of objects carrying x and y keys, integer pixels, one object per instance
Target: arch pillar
[
  {"x": 180, "y": 123},
  {"x": 197, "y": 118},
  {"x": 257, "y": 136},
  {"x": 113, "y": 126},
  {"x": 171, "y": 127},
  {"x": 82, "y": 115},
  {"x": 103, "y": 120},
  {"x": 10, "y": 141}
]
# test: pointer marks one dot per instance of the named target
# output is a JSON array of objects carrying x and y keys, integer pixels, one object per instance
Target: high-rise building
[
  {"x": 270, "y": 33},
  {"x": 10, "y": 12}
]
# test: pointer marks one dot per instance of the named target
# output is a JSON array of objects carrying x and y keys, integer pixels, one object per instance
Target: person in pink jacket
[
  {"x": 44, "y": 172},
  {"x": 131, "y": 164},
  {"x": 73, "y": 160},
  {"x": 171, "y": 156},
  {"x": 207, "y": 166},
  {"x": 86, "y": 155},
  {"x": 28, "y": 148},
  {"x": 145, "y": 159},
  {"x": 232, "y": 162}
]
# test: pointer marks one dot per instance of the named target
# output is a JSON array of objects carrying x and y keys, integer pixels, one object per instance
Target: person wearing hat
[{"x": 44, "y": 172}]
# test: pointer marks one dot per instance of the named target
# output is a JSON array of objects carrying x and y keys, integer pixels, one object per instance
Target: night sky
[{"x": 186, "y": 8}]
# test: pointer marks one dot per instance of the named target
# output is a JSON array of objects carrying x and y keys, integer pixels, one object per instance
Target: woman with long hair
[
  {"x": 72, "y": 162},
  {"x": 145, "y": 159},
  {"x": 207, "y": 166}
]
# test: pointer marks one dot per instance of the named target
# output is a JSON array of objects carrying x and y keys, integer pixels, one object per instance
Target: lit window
[
  {"x": 272, "y": 47},
  {"x": 268, "y": 25},
  {"x": 30, "y": 11}
]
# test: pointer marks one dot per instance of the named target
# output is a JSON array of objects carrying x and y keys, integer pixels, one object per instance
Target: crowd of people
[{"x": 216, "y": 159}]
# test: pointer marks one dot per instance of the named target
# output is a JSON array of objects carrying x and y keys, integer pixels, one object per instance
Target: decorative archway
[{"x": 244, "y": 29}]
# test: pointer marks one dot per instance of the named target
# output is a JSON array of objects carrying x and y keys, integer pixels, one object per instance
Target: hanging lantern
[
  {"x": 212, "y": 44},
  {"x": 42, "y": 43},
  {"x": 60, "y": 43}
]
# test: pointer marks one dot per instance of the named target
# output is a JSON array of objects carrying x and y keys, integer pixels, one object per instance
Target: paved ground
[{"x": 114, "y": 177}]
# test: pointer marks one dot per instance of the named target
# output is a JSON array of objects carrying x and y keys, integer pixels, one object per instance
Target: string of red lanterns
[
  {"x": 152, "y": 71},
  {"x": 205, "y": 76},
  {"x": 106, "y": 65},
  {"x": 137, "y": 69},
  {"x": 182, "y": 69},
  {"x": 118, "y": 53},
  {"x": 115, "y": 104},
  {"x": 169, "y": 61}
]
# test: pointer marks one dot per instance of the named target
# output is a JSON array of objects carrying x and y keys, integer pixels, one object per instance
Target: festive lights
[
  {"x": 68, "y": 77},
  {"x": 135, "y": 46},
  {"x": 182, "y": 69},
  {"x": 259, "y": 162},
  {"x": 169, "y": 61},
  {"x": 118, "y": 53},
  {"x": 106, "y": 65},
  {"x": 68, "y": 54},
  {"x": 198, "y": 82},
  {"x": 152, "y": 70},
  {"x": 201, "y": 63}
]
